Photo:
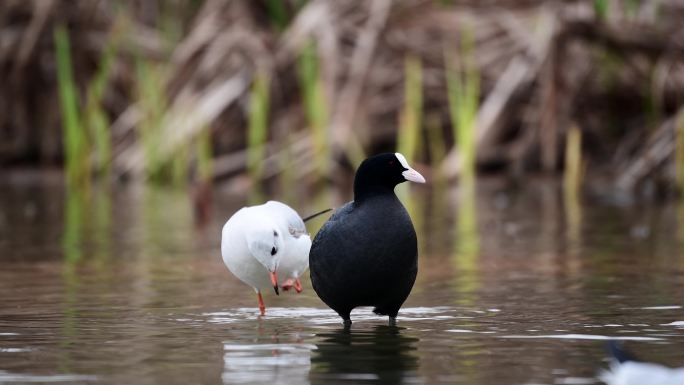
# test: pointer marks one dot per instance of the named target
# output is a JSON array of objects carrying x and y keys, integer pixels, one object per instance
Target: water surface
[{"x": 515, "y": 286}]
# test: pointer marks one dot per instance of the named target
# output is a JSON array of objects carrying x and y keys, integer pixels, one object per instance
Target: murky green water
[{"x": 515, "y": 286}]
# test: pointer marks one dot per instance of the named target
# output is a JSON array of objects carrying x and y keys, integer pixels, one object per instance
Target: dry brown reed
[{"x": 616, "y": 71}]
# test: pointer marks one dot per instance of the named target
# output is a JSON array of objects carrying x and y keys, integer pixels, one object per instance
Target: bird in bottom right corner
[
  {"x": 366, "y": 254},
  {"x": 626, "y": 369}
]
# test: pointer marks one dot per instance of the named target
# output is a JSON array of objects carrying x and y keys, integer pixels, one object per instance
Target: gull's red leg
[
  {"x": 262, "y": 307},
  {"x": 287, "y": 285},
  {"x": 298, "y": 285}
]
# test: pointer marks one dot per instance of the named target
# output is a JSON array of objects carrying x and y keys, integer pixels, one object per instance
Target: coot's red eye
[{"x": 391, "y": 162}]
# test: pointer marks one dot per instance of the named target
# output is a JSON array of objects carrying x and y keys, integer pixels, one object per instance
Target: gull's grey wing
[{"x": 295, "y": 224}]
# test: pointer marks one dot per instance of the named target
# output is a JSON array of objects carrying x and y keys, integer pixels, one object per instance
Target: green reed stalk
[
  {"x": 74, "y": 140},
  {"x": 601, "y": 8},
  {"x": 100, "y": 224},
  {"x": 277, "y": 14},
  {"x": 466, "y": 248},
  {"x": 179, "y": 167},
  {"x": 572, "y": 177},
  {"x": 150, "y": 95},
  {"x": 411, "y": 118},
  {"x": 170, "y": 24},
  {"x": 631, "y": 8},
  {"x": 435, "y": 141},
  {"x": 98, "y": 123},
  {"x": 463, "y": 89},
  {"x": 258, "y": 125},
  {"x": 679, "y": 171},
  {"x": 287, "y": 178},
  {"x": 315, "y": 103},
  {"x": 95, "y": 115},
  {"x": 75, "y": 202},
  {"x": 572, "y": 180}
]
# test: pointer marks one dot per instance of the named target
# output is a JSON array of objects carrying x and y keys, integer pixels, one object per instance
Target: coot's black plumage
[{"x": 366, "y": 254}]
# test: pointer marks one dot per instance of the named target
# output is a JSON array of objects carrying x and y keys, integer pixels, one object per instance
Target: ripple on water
[
  {"x": 576, "y": 381},
  {"x": 326, "y": 316},
  {"x": 668, "y": 307},
  {"x": 7, "y": 377},
  {"x": 597, "y": 337},
  {"x": 15, "y": 350}
]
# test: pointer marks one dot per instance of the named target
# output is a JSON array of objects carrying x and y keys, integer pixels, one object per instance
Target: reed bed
[
  {"x": 215, "y": 89},
  {"x": 463, "y": 88}
]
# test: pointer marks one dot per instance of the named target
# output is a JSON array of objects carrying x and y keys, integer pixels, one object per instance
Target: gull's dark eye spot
[
  {"x": 275, "y": 233},
  {"x": 274, "y": 250}
]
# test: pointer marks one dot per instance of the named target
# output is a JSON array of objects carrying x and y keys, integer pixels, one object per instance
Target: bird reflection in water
[
  {"x": 383, "y": 355},
  {"x": 269, "y": 357}
]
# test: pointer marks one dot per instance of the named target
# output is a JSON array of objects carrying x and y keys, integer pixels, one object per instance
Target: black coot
[{"x": 366, "y": 254}]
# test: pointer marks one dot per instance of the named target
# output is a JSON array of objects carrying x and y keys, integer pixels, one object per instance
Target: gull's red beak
[{"x": 274, "y": 281}]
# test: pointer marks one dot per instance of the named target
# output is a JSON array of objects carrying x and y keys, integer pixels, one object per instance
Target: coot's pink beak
[{"x": 274, "y": 281}]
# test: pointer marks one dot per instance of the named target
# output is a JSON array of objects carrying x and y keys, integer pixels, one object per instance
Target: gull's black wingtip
[{"x": 619, "y": 353}]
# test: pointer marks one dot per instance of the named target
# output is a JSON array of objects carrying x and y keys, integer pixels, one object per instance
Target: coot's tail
[
  {"x": 312, "y": 216},
  {"x": 619, "y": 353}
]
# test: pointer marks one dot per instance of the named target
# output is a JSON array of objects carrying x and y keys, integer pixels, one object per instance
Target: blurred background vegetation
[{"x": 291, "y": 92}]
